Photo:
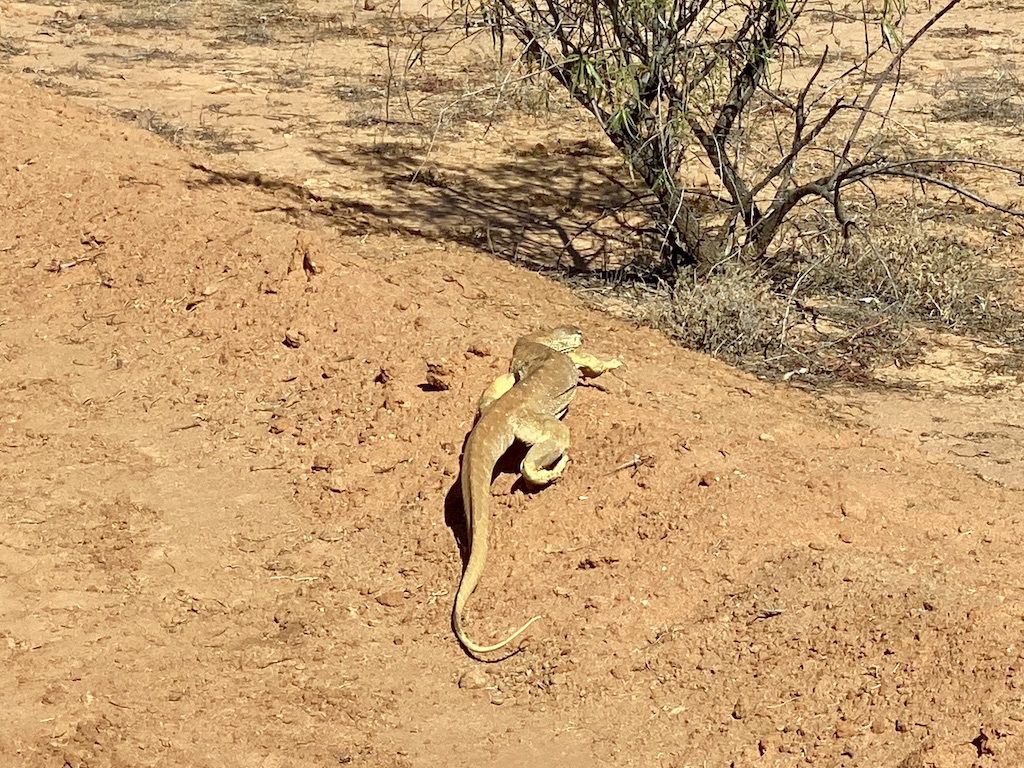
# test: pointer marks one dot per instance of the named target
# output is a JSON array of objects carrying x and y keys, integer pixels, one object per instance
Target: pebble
[
  {"x": 391, "y": 599},
  {"x": 279, "y": 424},
  {"x": 322, "y": 463},
  {"x": 708, "y": 479},
  {"x": 845, "y": 730},
  {"x": 335, "y": 482},
  {"x": 440, "y": 375},
  {"x": 474, "y": 679},
  {"x": 294, "y": 338}
]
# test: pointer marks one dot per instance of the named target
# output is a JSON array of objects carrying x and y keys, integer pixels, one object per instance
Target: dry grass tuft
[
  {"x": 732, "y": 313},
  {"x": 909, "y": 267},
  {"x": 995, "y": 99},
  {"x": 837, "y": 311},
  {"x": 10, "y": 48}
]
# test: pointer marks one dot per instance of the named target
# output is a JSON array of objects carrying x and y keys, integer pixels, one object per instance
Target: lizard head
[
  {"x": 564, "y": 338},
  {"x": 532, "y": 350}
]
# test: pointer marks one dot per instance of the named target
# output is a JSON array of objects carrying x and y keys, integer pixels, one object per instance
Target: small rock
[
  {"x": 708, "y": 479},
  {"x": 738, "y": 710},
  {"x": 391, "y": 599},
  {"x": 397, "y": 396},
  {"x": 306, "y": 256},
  {"x": 845, "y": 730},
  {"x": 311, "y": 264},
  {"x": 474, "y": 679},
  {"x": 321, "y": 463},
  {"x": 855, "y": 509},
  {"x": 335, "y": 483},
  {"x": 764, "y": 437},
  {"x": 294, "y": 338},
  {"x": 439, "y": 376},
  {"x": 279, "y": 424}
]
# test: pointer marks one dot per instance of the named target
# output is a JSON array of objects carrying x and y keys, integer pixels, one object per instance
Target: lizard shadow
[
  {"x": 455, "y": 518},
  {"x": 454, "y": 512}
]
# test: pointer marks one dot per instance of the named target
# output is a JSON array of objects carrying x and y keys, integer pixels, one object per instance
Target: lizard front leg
[
  {"x": 591, "y": 366},
  {"x": 547, "y": 457}
]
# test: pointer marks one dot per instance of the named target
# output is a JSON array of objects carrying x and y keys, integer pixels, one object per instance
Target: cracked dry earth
[{"x": 230, "y": 434}]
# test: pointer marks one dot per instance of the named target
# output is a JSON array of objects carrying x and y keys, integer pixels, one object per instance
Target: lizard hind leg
[
  {"x": 547, "y": 456},
  {"x": 495, "y": 391}
]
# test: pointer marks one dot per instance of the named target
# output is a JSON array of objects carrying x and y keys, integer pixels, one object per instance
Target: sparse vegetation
[
  {"x": 731, "y": 313},
  {"x": 906, "y": 265},
  {"x": 790, "y": 132},
  {"x": 669, "y": 82},
  {"x": 179, "y": 134},
  {"x": 10, "y": 48},
  {"x": 834, "y": 308},
  {"x": 147, "y": 15},
  {"x": 995, "y": 98}
]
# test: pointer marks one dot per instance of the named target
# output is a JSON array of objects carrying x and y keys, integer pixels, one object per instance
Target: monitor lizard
[{"x": 524, "y": 404}]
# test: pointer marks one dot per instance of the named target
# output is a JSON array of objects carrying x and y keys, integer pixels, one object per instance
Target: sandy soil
[{"x": 227, "y": 505}]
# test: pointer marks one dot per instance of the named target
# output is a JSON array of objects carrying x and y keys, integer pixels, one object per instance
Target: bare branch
[
  {"x": 909, "y": 173},
  {"x": 947, "y": 161},
  {"x": 894, "y": 63}
]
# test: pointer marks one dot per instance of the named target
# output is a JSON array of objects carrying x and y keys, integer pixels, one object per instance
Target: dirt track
[{"x": 219, "y": 550}]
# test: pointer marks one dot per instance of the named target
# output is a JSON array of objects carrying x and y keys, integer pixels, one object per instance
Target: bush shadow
[{"x": 560, "y": 207}]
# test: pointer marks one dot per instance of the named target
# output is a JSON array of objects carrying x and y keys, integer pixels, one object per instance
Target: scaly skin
[{"x": 526, "y": 405}]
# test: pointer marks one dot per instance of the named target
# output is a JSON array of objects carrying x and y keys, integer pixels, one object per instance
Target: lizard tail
[
  {"x": 477, "y": 649},
  {"x": 476, "y": 481},
  {"x": 470, "y": 579}
]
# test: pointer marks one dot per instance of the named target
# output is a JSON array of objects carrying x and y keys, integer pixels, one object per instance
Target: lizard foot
[{"x": 591, "y": 366}]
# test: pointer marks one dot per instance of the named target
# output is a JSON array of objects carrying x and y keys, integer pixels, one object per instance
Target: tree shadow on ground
[{"x": 561, "y": 207}]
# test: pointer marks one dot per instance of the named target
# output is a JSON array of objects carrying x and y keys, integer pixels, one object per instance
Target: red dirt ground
[{"x": 220, "y": 550}]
